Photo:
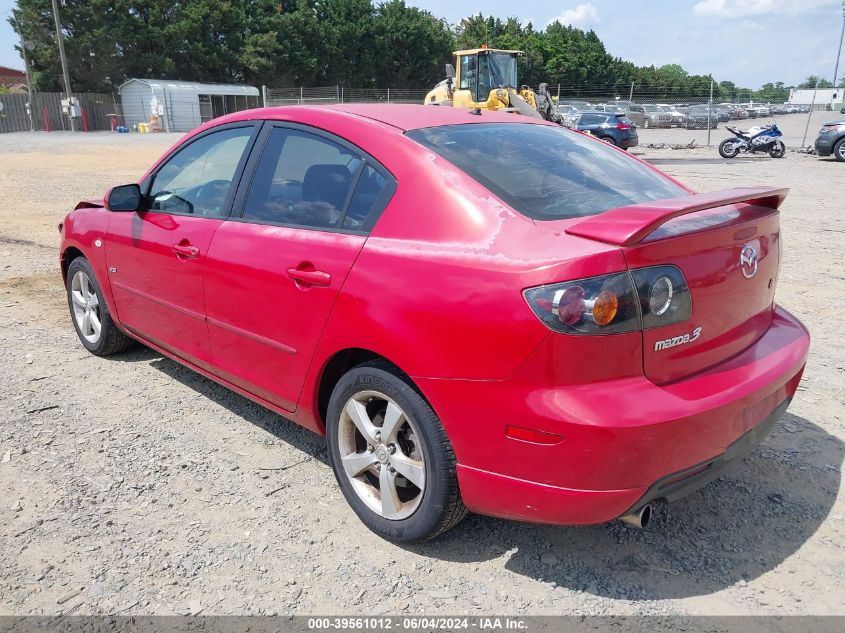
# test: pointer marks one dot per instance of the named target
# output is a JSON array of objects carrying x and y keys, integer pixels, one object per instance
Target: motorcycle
[{"x": 760, "y": 138}]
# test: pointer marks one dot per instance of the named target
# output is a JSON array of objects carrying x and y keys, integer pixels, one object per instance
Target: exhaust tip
[{"x": 639, "y": 519}]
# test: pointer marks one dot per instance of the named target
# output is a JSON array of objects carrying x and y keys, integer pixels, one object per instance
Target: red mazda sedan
[{"x": 481, "y": 312}]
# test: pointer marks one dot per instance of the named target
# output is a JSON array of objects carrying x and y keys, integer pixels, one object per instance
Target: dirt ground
[{"x": 132, "y": 485}]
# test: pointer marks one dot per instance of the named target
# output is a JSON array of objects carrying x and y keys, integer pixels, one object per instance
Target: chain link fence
[
  {"x": 340, "y": 94},
  {"x": 663, "y": 115}
]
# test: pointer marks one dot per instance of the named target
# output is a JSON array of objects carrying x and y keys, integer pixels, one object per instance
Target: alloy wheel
[
  {"x": 841, "y": 151},
  {"x": 382, "y": 455},
  {"x": 86, "y": 306}
]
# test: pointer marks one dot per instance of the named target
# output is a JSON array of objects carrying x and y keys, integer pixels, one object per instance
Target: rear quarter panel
[{"x": 437, "y": 288}]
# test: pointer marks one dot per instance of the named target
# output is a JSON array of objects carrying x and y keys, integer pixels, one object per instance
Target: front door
[
  {"x": 273, "y": 274},
  {"x": 156, "y": 256}
]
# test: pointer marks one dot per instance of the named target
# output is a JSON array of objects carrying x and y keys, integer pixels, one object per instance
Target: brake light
[
  {"x": 598, "y": 305},
  {"x": 614, "y": 304},
  {"x": 623, "y": 126}
]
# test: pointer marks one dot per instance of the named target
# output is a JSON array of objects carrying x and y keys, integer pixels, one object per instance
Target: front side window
[
  {"x": 197, "y": 180},
  {"x": 547, "y": 172},
  {"x": 302, "y": 180}
]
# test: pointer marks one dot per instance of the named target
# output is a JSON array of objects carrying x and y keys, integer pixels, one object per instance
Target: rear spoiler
[{"x": 627, "y": 226}]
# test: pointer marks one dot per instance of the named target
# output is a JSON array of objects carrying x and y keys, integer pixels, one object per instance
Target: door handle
[
  {"x": 185, "y": 250},
  {"x": 310, "y": 277}
]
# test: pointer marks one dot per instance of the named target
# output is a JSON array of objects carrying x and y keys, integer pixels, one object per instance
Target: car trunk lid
[{"x": 727, "y": 246}]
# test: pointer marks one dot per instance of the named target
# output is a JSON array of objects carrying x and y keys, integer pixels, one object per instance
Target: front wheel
[
  {"x": 89, "y": 312},
  {"x": 646, "y": 124},
  {"x": 728, "y": 148},
  {"x": 390, "y": 455},
  {"x": 839, "y": 150},
  {"x": 777, "y": 149}
]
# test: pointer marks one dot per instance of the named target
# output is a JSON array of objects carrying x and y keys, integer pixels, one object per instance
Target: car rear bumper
[
  {"x": 824, "y": 146},
  {"x": 624, "y": 442},
  {"x": 627, "y": 142}
]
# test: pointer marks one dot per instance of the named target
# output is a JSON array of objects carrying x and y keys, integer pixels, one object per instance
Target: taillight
[
  {"x": 664, "y": 295},
  {"x": 613, "y": 304},
  {"x": 597, "y": 305},
  {"x": 623, "y": 126}
]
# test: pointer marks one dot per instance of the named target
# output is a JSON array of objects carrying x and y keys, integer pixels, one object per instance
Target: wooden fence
[{"x": 47, "y": 111}]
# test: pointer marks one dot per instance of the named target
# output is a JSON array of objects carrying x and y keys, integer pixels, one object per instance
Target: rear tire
[
  {"x": 609, "y": 139},
  {"x": 390, "y": 455},
  {"x": 839, "y": 150},
  {"x": 90, "y": 314},
  {"x": 728, "y": 148}
]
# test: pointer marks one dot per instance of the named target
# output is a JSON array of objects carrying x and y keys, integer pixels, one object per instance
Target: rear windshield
[{"x": 547, "y": 172}]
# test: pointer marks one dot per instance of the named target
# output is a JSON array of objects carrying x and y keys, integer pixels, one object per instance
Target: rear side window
[
  {"x": 547, "y": 172},
  {"x": 591, "y": 119},
  {"x": 303, "y": 180},
  {"x": 369, "y": 194}
]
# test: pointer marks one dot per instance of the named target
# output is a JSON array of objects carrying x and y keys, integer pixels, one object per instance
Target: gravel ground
[{"x": 132, "y": 485}]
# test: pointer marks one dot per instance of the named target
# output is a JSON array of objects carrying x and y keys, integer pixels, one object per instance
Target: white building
[
  {"x": 823, "y": 96},
  {"x": 182, "y": 105}
]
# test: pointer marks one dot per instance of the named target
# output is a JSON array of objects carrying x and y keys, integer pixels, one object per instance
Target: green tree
[
  {"x": 813, "y": 81},
  {"x": 413, "y": 46}
]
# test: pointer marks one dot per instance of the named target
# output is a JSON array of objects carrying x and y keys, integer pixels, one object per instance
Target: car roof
[
  {"x": 603, "y": 113},
  {"x": 398, "y": 115}
]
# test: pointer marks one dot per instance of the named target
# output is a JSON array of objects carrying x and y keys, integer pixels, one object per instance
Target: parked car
[
  {"x": 637, "y": 113},
  {"x": 518, "y": 332},
  {"x": 614, "y": 128},
  {"x": 736, "y": 113},
  {"x": 723, "y": 115},
  {"x": 699, "y": 118},
  {"x": 569, "y": 113},
  {"x": 831, "y": 139},
  {"x": 609, "y": 107},
  {"x": 582, "y": 106},
  {"x": 678, "y": 117}
]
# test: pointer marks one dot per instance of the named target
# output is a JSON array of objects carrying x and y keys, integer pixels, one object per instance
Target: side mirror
[
  {"x": 450, "y": 71},
  {"x": 124, "y": 198}
]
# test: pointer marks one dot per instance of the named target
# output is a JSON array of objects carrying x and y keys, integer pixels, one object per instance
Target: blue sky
[{"x": 750, "y": 42}]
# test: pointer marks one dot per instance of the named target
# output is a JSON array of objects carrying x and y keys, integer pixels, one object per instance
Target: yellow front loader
[{"x": 485, "y": 79}]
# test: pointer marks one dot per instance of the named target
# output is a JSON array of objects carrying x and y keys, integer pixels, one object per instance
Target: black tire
[
  {"x": 839, "y": 150},
  {"x": 728, "y": 148},
  {"x": 646, "y": 124},
  {"x": 608, "y": 139},
  {"x": 777, "y": 149},
  {"x": 440, "y": 507},
  {"x": 110, "y": 340}
]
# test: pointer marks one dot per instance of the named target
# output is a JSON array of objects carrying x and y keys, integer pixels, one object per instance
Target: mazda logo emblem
[{"x": 748, "y": 261}]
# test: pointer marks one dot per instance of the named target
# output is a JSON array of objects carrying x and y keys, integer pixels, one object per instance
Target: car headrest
[{"x": 326, "y": 183}]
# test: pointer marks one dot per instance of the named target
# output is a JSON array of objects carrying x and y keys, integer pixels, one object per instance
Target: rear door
[
  {"x": 731, "y": 270},
  {"x": 275, "y": 269}
]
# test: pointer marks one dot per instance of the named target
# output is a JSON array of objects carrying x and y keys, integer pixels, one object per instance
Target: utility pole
[
  {"x": 839, "y": 50},
  {"x": 709, "y": 112},
  {"x": 810, "y": 115},
  {"x": 28, "y": 73},
  {"x": 61, "y": 40}
]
